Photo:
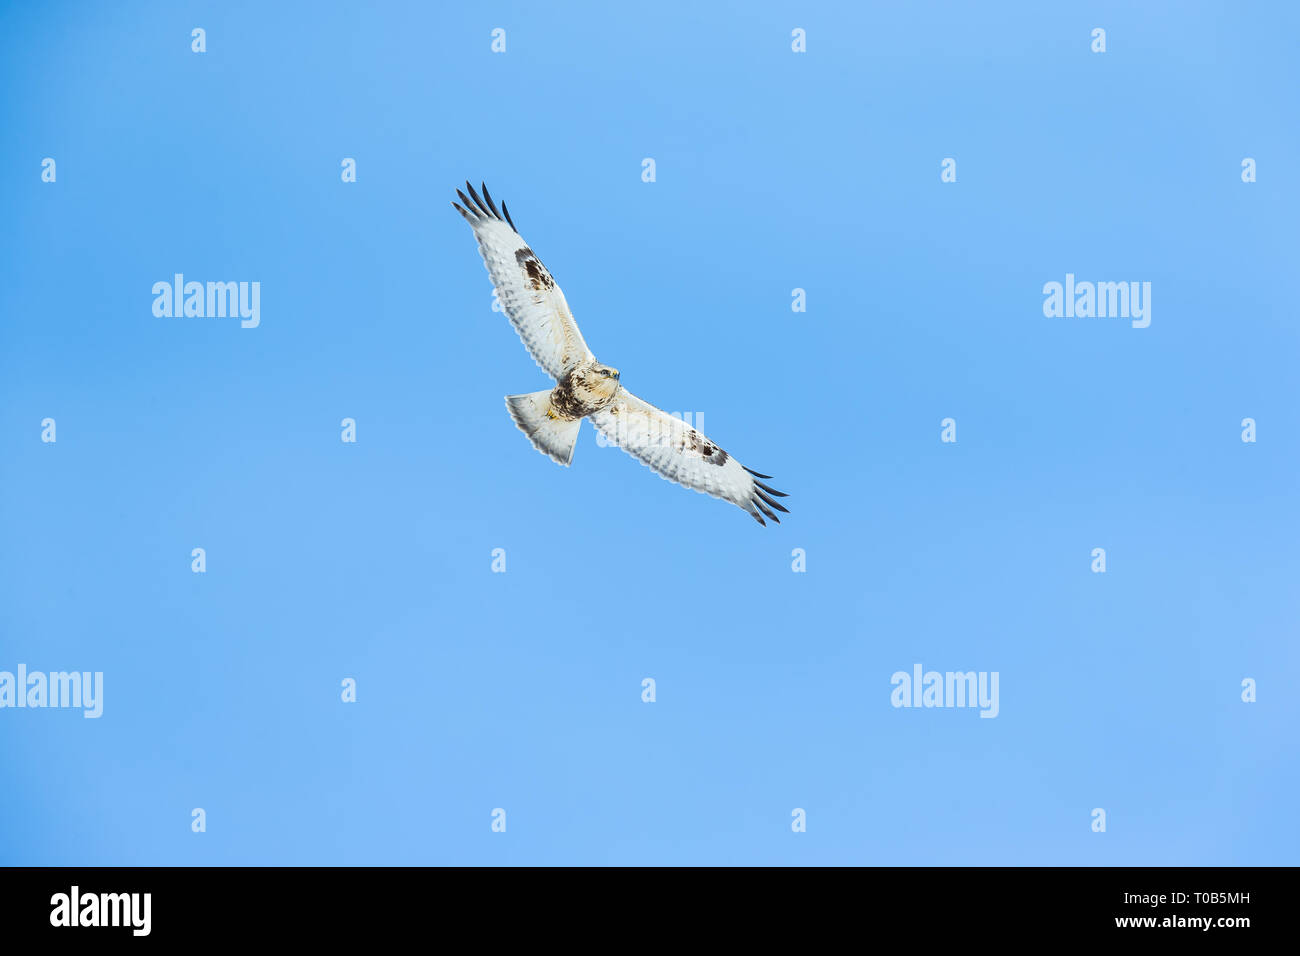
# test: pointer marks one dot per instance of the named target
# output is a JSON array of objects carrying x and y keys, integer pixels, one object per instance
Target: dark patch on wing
[
  {"x": 538, "y": 278},
  {"x": 697, "y": 443}
]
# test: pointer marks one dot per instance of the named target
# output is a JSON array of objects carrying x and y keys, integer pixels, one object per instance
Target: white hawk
[{"x": 551, "y": 418}]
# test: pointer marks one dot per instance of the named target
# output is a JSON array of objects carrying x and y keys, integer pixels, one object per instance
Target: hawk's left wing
[
  {"x": 679, "y": 453},
  {"x": 529, "y": 295}
]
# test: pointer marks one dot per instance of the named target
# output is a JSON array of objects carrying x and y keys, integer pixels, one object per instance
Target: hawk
[{"x": 586, "y": 388}]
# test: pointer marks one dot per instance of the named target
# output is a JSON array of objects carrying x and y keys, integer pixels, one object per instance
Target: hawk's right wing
[
  {"x": 678, "y": 452},
  {"x": 530, "y": 297}
]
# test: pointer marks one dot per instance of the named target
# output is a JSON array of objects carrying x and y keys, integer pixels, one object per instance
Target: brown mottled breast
[{"x": 566, "y": 404}]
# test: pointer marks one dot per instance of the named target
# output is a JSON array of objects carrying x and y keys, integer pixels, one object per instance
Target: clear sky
[{"x": 522, "y": 690}]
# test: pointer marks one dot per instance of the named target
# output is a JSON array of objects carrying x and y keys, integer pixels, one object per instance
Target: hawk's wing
[
  {"x": 528, "y": 294},
  {"x": 679, "y": 453}
]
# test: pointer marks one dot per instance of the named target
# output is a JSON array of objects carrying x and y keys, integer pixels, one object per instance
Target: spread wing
[
  {"x": 528, "y": 294},
  {"x": 680, "y": 453}
]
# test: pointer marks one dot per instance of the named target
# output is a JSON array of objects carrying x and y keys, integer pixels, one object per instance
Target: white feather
[
  {"x": 534, "y": 303},
  {"x": 675, "y": 451}
]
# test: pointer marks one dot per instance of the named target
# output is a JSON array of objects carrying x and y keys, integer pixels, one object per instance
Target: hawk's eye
[{"x": 605, "y": 372}]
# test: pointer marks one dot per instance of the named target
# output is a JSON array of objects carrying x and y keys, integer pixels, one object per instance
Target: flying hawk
[{"x": 584, "y": 387}]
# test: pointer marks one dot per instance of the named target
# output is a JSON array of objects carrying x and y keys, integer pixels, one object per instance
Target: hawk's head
[{"x": 595, "y": 384}]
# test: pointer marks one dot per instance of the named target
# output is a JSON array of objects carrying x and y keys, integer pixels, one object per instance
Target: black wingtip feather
[
  {"x": 476, "y": 207},
  {"x": 477, "y": 200},
  {"x": 775, "y": 504},
  {"x": 762, "y": 499},
  {"x": 491, "y": 205}
]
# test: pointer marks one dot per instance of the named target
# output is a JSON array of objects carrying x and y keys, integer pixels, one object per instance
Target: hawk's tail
[{"x": 549, "y": 433}]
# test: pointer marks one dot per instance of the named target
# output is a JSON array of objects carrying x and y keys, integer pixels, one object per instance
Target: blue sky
[{"x": 775, "y": 170}]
